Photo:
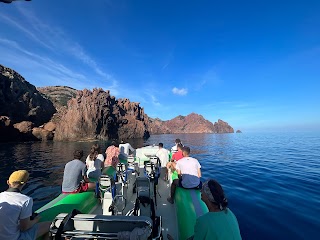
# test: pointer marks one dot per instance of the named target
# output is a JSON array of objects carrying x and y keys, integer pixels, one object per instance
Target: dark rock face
[
  {"x": 97, "y": 115},
  {"x": 192, "y": 123},
  {"x": 20, "y": 101}
]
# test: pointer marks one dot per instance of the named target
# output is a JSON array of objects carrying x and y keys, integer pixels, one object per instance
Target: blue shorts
[{"x": 30, "y": 234}]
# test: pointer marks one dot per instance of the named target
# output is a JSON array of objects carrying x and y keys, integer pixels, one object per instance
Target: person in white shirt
[
  {"x": 189, "y": 172},
  {"x": 125, "y": 149},
  {"x": 16, "y": 219},
  {"x": 94, "y": 162},
  {"x": 163, "y": 155}
]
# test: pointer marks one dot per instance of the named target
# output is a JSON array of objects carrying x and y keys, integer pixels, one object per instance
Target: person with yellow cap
[{"x": 16, "y": 220}]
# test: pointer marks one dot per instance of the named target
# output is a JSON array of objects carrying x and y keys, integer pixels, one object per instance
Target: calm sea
[{"x": 272, "y": 181}]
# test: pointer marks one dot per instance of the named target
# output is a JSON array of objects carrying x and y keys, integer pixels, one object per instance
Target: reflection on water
[{"x": 272, "y": 181}]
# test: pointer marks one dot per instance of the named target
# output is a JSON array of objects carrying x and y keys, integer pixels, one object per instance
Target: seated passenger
[
  {"x": 94, "y": 162},
  {"x": 112, "y": 155},
  {"x": 74, "y": 175},
  {"x": 163, "y": 155},
  {"x": 219, "y": 222},
  {"x": 175, "y": 157},
  {"x": 175, "y": 147},
  {"x": 16, "y": 222},
  {"x": 189, "y": 172},
  {"x": 126, "y": 149}
]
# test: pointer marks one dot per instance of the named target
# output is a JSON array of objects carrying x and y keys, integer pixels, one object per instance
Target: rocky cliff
[
  {"x": 192, "y": 123},
  {"x": 98, "y": 115},
  {"x": 21, "y": 101},
  {"x": 59, "y": 96},
  {"x": 64, "y": 113},
  {"x": 22, "y": 108}
]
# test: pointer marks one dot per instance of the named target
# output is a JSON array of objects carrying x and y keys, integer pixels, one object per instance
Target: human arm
[
  {"x": 26, "y": 213},
  {"x": 26, "y": 223},
  {"x": 199, "y": 172}
]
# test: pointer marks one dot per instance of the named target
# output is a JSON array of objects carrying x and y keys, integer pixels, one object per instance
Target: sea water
[{"x": 272, "y": 180}]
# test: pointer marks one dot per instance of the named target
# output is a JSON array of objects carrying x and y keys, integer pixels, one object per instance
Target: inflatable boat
[{"x": 128, "y": 202}]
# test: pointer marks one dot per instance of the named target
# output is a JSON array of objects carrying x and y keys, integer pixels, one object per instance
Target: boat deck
[{"x": 164, "y": 209}]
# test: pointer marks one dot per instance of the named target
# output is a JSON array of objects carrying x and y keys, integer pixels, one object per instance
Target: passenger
[
  {"x": 74, "y": 176},
  {"x": 219, "y": 222},
  {"x": 125, "y": 149},
  {"x": 163, "y": 155},
  {"x": 94, "y": 162},
  {"x": 16, "y": 220},
  {"x": 189, "y": 172},
  {"x": 175, "y": 147},
  {"x": 112, "y": 155},
  {"x": 175, "y": 157}
]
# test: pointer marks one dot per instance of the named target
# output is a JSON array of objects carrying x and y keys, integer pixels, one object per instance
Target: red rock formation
[
  {"x": 192, "y": 123},
  {"x": 42, "y": 134},
  {"x": 97, "y": 115},
  {"x": 24, "y": 127},
  {"x": 222, "y": 127}
]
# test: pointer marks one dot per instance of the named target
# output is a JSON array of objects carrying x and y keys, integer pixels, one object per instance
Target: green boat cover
[
  {"x": 65, "y": 203},
  {"x": 189, "y": 207}
]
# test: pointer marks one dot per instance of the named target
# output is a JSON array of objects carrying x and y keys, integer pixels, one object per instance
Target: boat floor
[{"x": 164, "y": 209}]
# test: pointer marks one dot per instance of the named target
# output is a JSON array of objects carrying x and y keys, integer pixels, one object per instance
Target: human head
[
  {"x": 115, "y": 143},
  {"x": 212, "y": 193},
  {"x": 177, "y": 141},
  {"x": 18, "y": 178},
  {"x": 95, "y": 150},
  {"x": 160, "y": 145},
  {"x": 185, "y": 151},
  {"x": 180, "y": 146},
  {"x": 78, "y": 154}
]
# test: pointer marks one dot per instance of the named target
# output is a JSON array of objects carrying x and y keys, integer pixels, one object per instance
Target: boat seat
[
  {"x": 101, "y": 225},
  {"x": 105, "y": 182}
]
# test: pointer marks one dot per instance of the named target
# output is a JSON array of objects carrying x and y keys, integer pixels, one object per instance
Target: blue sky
[{"x": 254, "y": 64}]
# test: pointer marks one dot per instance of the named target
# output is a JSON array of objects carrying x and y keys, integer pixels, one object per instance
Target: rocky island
[{"x": 63, "y": 113}]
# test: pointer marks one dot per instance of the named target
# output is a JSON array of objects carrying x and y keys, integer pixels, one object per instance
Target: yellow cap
[{"x": 20, "y": 176}]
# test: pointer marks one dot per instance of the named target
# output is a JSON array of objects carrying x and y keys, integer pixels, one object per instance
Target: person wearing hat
[
  {"x": 219, "y": 222},
  {"x": 16, "y": 211}
]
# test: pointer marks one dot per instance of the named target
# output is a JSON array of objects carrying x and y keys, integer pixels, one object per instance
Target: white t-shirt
[
  {"x": 13, "y": 207},
  {"x": 125, "y": 149},
  {"x": 163, "y": 155},
  {"x": 189, "y": 169},
  {"x": 94, "y": 167},
  {"x": 174, "y": 149}
]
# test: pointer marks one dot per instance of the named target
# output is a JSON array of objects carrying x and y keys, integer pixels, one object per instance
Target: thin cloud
[
  {"x": 155, "y": 101},
  {"x": 53, "y": 38},
  {"x": 181, "y": 91}
]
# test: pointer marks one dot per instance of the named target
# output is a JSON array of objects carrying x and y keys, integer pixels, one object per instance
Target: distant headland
[{"x": 63, "y": 113}]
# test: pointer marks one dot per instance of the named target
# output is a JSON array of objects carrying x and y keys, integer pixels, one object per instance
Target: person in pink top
[{"x": 112, "y": 155}]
